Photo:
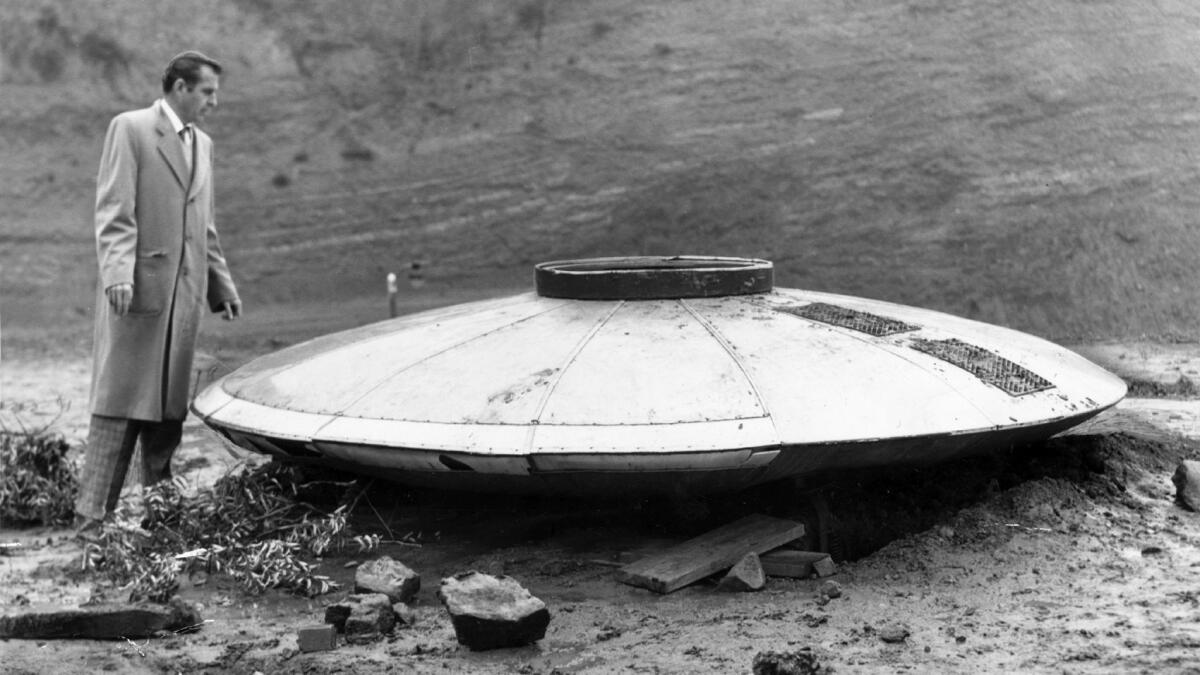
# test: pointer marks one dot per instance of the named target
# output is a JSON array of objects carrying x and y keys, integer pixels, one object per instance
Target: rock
[
  {"x": 101, "y": 622},
  {"x": 390, "y": 577},
  {"x": 316, "y": 638},
  {"x": 893, "y": 633},
  {"x": 830, "y": 589},
  {"x": 337, "y": 615},
  {"x": 490, "y": 612},
  {"x": 802, "y": 662},
  {"x": 746, "y": 575},
  {"x": 1187, "y": 484},
  {"x": 405, "y": 615},
  {"x": 371, "y": 616},
  {"x": 825, "y": 567}
]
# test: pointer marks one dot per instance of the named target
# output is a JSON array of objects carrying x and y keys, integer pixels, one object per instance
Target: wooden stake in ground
[{"x": 710, "y": 553}]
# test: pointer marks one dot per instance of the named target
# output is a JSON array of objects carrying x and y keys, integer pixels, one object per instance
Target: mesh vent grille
[
  {"x": 864, "y": 322},
  {"x": 992, "y": 369}
]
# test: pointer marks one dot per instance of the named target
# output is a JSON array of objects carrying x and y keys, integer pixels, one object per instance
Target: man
[{"x": 160, "y": 263}]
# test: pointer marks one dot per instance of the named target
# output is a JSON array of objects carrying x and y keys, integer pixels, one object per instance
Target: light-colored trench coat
[{"x": 154, "y": 229}]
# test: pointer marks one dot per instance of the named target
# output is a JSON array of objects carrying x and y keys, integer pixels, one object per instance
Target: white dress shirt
[{"x": 187, "y": 135}]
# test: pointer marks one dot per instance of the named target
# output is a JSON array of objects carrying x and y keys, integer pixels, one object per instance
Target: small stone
[
  {"x": 1187, "y": 484},
  {"x": 830, "y": 589},
  {"x": 825, "y": 567},
  {"x": 405, "y": 615},
  {"x": 371, "y": 616},
  {"x": 390, "y": 577},
  {"x": 316, "y": 638},
  {"x": 746, "y": 575},
  {"x": 802, "y": 662},
  {"x": 894, "y": 633},
  {"x": 490, "y": 612}
]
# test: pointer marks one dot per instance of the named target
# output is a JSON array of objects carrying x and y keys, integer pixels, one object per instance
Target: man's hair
[{"x": 186, "y": 66}]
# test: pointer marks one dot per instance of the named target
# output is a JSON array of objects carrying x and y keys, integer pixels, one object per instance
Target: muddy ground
[{"x": 1068, "y": 556}]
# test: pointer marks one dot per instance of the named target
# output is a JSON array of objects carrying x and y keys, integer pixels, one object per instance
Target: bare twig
[
  {"x": 193, "y": 627},
  {"x": 362, "y": 491},
  {"x": 400, "y": 542},
  {"x": 137, "y": 646},
  {"x": 380, "y": 517}
]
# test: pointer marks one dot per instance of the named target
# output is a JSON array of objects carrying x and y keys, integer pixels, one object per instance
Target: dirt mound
[{"x": 978, "y": 501}]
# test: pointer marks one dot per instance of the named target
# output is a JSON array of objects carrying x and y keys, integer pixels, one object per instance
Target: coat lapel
[
  {"x": 171, "y": 149},
  {"x": 201, "y": 163}
]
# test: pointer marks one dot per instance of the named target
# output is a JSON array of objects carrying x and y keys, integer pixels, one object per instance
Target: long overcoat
[{"x": 154, "y": 229}]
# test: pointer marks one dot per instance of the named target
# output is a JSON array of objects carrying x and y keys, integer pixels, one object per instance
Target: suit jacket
[{"x": 154, "y": 229}]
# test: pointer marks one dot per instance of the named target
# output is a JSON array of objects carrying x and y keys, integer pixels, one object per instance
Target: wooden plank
[
  {"x": 791, "y": 564},
  {"x": 99, "y": 622},
  {"x": 710, "y": 553}
]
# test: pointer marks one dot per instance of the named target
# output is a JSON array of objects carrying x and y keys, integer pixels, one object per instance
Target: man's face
[{"x": 194, "y": 103}]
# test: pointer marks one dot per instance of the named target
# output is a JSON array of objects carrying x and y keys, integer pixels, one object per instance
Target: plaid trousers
[{"x": 110, "y": 445}]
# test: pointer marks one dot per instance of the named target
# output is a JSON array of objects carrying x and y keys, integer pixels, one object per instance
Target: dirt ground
[
  {"x": 1065, "y": 557},
  {"x": 1025, "y": 163}
]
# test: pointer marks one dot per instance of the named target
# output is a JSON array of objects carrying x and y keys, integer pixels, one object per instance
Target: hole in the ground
[{"x": 1056, "y": 485}]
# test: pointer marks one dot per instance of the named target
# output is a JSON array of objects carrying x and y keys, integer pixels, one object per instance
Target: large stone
[
  {"x": 491, "y": 612},
  {"x": 370, "y": 616},
  {"x": 337, "y": 615},
  {"x": 390, "y": 577},
  {"x": 1187, "y": 484},
  {"x": 746, "y": 575},
  {"x": 100, "y": 622}
]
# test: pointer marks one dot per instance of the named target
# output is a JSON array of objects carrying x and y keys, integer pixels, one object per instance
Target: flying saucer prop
[{"x": 647, "y": 374}]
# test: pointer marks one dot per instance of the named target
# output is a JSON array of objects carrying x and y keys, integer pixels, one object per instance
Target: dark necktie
[{"x": 185, "y": 135}]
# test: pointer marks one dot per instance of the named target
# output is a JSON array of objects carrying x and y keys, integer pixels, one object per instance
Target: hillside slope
[{"x": 1024, "y": 163}]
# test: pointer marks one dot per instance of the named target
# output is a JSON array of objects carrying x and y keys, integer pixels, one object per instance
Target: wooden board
[
  {"x": 99, "y": 622},
  {"x": 710, "y": 553},
  {"x": 790, "y": 564}
]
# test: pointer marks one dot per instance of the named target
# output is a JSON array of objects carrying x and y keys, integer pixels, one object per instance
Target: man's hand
[
  {"x": 231, "y": 310},
  {"x": 120, "y": 296}
]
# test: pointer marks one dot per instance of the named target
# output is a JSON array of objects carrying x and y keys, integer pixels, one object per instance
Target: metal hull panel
[
  {"x": 619, "y": 475},
  {"x": 711, "y": 392}
]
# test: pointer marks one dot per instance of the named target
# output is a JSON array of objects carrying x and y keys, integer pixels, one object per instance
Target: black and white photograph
[{"x": 773, "y": 337}]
